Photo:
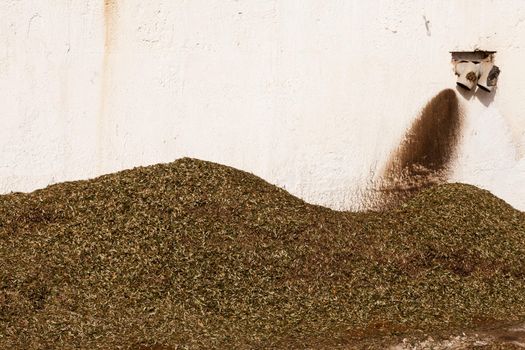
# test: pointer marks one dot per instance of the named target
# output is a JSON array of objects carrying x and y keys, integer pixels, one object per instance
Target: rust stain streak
[
  {"x": 110, "y": 16},
  {"x": 423, "y": 158},
  {"x": 110, "y": 12}
]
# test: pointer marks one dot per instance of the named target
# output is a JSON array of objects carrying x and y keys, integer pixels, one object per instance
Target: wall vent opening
[{"x": 475, "y": 68}]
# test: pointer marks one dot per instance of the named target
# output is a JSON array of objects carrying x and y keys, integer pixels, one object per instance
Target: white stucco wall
[{"x": 311, "y": 95}]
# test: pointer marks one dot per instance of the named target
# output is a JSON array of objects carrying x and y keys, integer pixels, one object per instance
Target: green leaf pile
[{"x": 194, "y": 254}]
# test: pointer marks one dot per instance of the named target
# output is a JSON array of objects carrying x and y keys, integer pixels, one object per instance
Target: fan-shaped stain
[{"x": 423, "y": 157}]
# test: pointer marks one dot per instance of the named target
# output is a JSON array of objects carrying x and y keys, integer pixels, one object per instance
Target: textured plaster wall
[{"x": 311, "y": 95}]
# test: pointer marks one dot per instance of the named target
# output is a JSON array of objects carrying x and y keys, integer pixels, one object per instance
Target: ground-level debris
[{"x": 194, "y": 254}]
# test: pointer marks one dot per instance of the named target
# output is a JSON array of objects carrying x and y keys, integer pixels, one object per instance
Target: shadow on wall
[
  {"x": 424, "y": 156},
  {"x": 486, "y": 98}
]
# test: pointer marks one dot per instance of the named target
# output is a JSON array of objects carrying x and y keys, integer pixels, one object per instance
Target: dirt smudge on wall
[
  {"x": 110, "y": 18},
  {"x": 423, "y": 157}
]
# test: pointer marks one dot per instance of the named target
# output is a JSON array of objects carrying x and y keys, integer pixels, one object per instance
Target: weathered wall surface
[{"x": 311, "y": 95}]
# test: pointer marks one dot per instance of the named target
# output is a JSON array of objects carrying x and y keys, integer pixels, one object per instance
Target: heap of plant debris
[{"x": 194, "y": 254}]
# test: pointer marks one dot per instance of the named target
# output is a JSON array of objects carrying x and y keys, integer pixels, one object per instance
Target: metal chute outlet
[{"x": 475, "y": 68}]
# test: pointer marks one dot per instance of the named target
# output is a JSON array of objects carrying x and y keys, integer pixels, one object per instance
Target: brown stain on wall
[
  {"x": 423, "y": 158},
  {"x": 110, "y": 9},
  {"x": 110, "y": 14}
]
